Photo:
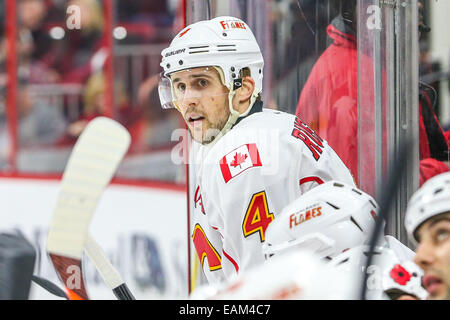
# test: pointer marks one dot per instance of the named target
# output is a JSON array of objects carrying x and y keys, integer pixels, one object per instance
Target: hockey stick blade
[
  {"x": 109, "y": 274},
  {"x": 92, "y": 163},
  {"x": 49, "y": 286}
]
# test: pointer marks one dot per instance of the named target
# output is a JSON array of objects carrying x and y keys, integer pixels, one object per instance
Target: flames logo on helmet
[
  {"x": 299, "y": 217},
  {"x": 227, "y": 25}
]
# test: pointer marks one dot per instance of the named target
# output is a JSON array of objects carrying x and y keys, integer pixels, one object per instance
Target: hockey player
[
  {"x": 428, "y": 224},
  {"x": 249, "y": 162}
]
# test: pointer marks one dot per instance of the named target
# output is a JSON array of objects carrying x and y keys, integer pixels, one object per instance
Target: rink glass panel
[
  {"x": 349, "y": 69},
  {"x": 57, "y": 87},
  {"x": 65, "y": 78},
  {"x": 352, "y": 79}
]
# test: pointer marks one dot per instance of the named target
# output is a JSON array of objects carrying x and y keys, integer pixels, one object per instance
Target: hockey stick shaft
[
  {"x": 92, "y": 163},
  {"x": 109, "y": 274}
]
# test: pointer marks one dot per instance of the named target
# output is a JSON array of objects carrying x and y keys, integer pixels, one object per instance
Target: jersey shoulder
[
  {"x": 266, "y": 119},
  {"x": 260, "y": 137},
  {"x": 263, "y": 128}
]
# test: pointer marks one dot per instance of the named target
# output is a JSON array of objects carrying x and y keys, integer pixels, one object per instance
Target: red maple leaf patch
[{"x": 238, "y": 160}]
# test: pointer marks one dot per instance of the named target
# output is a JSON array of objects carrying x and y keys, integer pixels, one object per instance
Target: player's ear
[{"x": 245, "y": 92}]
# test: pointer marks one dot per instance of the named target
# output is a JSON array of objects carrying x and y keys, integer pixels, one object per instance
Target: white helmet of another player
[
  {"x": 432, "y": 199},
  {"x": 328, "y": 219},
  {"x": 389, "y": 276}
]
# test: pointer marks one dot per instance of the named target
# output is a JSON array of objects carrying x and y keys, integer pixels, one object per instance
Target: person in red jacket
[{"x": 329, "y": 99}]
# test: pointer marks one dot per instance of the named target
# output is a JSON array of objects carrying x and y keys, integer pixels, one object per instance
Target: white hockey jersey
[
  {"x": 300, "y": 274},
  {"x": 297, "y": 275},
  {"x": 242, "y": 181}
]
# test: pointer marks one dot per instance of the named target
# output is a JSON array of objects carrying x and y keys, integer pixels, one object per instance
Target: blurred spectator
[
  {"x": 94, "y": 104},
  {"x": 72, "y": 60},
  {"x": 155, "y": 127},
  {"x": 299, "y": 37},
  {"x": 31, "y": 16},
  {"x": 31, "y": 42},
  {"x": 35, "y": 42},
  {"x": 328, "y": 102},
  {"x": 149, "y": 125},
  {"x": 39, "y": 124}
]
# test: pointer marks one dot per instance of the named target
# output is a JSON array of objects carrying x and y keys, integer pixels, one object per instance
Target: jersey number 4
[{"x": 258, "y": 216}]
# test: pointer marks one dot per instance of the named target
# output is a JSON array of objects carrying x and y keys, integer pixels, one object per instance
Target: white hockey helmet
[
  {"x": 432, "y": 199},
  {"x": 225, "y": 43},
  {"x": 328, "y": 219},
  {"x": 389, "y": 276}
]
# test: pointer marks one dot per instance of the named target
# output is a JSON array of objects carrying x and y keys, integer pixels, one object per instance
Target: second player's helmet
[
  {"x": 328, "y": 219},
  {"x": 388, "y": 272},
  {"x": 432, "y": 199}
]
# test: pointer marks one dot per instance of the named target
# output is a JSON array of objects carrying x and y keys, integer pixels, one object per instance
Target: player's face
[
  {"x": 433, "y": 256},
  {"x": 202, "y": 99}
]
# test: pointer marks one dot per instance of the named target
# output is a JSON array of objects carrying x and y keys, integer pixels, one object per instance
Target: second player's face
[
  {"x": 433, "y": 256},
  {"x": 202, "y": 99}
]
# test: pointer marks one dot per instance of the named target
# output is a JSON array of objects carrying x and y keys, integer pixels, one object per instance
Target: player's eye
[
  {"x": 181, "y": 87},
  {"x": 203, "y": 83},
  {"x": 442, "y": 235}
]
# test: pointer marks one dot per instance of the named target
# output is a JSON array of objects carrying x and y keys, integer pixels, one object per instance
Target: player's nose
[
  {"x": 190, "y": 99},
  {"x": 424, "y": 255}
]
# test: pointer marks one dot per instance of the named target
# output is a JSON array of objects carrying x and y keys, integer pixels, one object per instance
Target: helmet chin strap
[{"x": 234, "y": 115}]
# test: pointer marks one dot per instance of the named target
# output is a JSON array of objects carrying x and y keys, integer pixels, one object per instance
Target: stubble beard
[
  {"x": 213, "y": 129},
  {"x": 447, "y": 296}
]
